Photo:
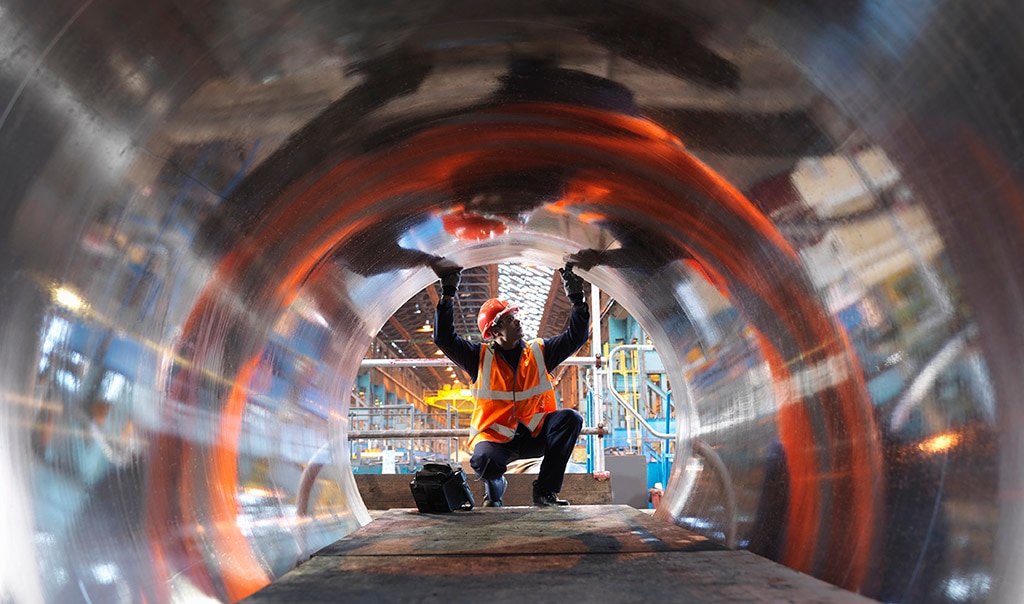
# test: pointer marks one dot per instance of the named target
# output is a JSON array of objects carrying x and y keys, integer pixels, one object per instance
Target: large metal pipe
[{"x": 209, "y": 208}]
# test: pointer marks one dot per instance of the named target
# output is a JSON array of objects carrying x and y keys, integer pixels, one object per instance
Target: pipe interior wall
[{"x": 210, "y": 209}]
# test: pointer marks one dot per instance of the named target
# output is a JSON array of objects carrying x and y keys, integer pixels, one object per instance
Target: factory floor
[{"x": 578, "y": 554}]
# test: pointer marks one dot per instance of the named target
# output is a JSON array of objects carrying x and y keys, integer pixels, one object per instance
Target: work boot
[
  {"x": 545, "y": 498},
  {"x": 494, "y": 490}
]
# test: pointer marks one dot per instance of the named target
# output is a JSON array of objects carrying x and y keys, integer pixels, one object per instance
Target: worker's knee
[
  {"x": 566, "y": 419},
  {"x": 487, "y": 463}
]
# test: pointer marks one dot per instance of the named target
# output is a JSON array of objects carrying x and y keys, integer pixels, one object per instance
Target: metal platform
[{"x": 605, "y": 553}]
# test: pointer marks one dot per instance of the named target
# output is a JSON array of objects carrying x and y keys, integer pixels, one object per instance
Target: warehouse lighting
[
  {"x": 940, "y": 443},
  {"x": 68, "y": 299}
]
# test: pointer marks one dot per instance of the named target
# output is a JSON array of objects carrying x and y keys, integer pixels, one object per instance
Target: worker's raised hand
[
  {"x": 585, "y": 259},
  {"x": 450, "y": 282},
  {"x": 572, "y": 284},
  {"x": 450, "y": 275}
]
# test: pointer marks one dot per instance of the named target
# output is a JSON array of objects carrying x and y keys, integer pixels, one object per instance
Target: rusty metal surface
[
  {"x": 575, "y": 554},
  {"x": 522, "y": 530},
  {"x": 714, "y": 577}
]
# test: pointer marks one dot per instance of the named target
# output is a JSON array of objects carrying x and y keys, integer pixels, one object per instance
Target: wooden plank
[{"x": 387, "y": 491}]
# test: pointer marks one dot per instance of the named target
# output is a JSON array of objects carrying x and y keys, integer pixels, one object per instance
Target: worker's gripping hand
[
  {"x": 573, "y": 284},
  {"x": 450, "y": 275},
  {"x": 585, "y": 259},
  {"x": 450, "y": 282}
]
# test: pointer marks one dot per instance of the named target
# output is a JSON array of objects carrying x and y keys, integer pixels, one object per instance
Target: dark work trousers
[{"x": 555, "y": 442}]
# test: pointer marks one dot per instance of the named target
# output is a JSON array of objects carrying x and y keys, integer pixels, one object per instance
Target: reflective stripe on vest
[
  {"x": 536, "y": 401},
  {"x": 485, "y": 390},
  {"x": 500, "y": 429},
  {"x": 535, "y": 421}
]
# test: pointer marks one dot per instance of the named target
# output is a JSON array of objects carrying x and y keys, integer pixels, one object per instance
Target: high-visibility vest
[{"x": 506, "y": 397}]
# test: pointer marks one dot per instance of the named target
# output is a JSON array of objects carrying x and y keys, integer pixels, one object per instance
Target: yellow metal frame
[
  {"x": 628, "y": 367},
  {"x": 460, "y": 399}
]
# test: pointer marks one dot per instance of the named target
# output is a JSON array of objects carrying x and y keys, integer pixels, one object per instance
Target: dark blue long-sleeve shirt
[{"x": 466, "y": 354}]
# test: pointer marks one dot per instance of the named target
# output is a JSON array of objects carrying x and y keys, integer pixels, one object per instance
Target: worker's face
[{"x": 507, "y": 329}]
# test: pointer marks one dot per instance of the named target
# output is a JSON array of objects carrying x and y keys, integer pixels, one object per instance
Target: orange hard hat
[{"x": 490, "y": 312}]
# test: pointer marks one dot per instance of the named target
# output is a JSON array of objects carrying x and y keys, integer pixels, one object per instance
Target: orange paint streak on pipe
[
  {"x": 242, "y": 573},
  {"x": 190, "y": 466},
  {"x": 163, "y": 515},
  {"x": 173, "y": 554},
  {"x": 865, "y": 469},
  {"x": 195, "y": 565},
  {"x": 797, "y": 439}
]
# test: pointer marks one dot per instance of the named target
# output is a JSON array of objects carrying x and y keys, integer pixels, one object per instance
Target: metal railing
[
  {"x": 441, "y": 433},
  {"x": 443, "y": 361},
  {"x": 610, "y": 377},
  {"x": 699, "y": 446}
]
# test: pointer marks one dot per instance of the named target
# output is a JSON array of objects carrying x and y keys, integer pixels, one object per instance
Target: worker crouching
[{"x": 515, "y": 414}]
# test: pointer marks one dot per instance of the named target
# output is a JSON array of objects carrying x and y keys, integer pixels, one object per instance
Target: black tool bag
[{"x": 441, "y": 487}]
